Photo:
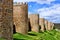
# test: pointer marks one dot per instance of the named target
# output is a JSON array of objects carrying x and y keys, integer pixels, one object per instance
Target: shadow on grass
[
  {"x": 18, "y": 39},
  {"x": 32, "y": 34}
]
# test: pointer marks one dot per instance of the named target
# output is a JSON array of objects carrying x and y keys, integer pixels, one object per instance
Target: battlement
[
  {"x": 20, "y": 3},
  {"x": 33, "y": 14}
]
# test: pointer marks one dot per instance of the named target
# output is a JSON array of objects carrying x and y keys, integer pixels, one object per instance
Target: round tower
[
  {"x": 49, "y": 25},
  {"x": 46, "y": 24},
  {"x": 41, "y": 23},
  {"x": 52, "y": 26},
  {"x": 20, "y": 17},
  {"x": 34, "y": 21}
]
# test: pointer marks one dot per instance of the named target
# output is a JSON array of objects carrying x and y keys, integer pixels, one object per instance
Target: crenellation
[
  {"x": 20, "y": 3},
  {"x": 16, "y": 14}
]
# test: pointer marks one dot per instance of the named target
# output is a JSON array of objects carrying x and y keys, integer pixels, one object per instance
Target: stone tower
[
  {"x": 46, "y": 24},
  {"x": 20, "y": 17},
  {"x": 49, "y": 25},
  {"x": 34, "y": 21},
  {"x": 6, "y": 19},
  {"x": 41, "y": 23},
  {"x": 52, "y": 26}
]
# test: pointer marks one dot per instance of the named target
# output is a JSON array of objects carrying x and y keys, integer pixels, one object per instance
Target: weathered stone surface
[
  {"x": 41, "y": 23},
  {"x": 6, "y": 19},
  {"x": 52, "y": 26},
  {"x": 46, "y": 24},
  {"x": 34, "y": 21},
  {"x": 20, "y": 19},
  {"x": 49, "y": 25}
]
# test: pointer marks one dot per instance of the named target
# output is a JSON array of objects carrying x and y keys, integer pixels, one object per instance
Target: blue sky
[{"x": 48, "y": 9}]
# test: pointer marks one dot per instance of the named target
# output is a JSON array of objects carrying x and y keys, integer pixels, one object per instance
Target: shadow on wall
[
  {"x": 40, "y": 27},
  {"x": 14, "y": 29},
  {"x": 44, "y": 27},
  {"x": 29, "y": 28}
]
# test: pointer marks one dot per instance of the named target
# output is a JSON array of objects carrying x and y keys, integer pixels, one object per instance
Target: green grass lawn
[
  {"x": 47, "y": 35},
  {"x": 2, "y": 39}
]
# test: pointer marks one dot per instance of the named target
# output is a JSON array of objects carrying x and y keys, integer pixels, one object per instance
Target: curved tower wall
[
  {"x": 46, "y": 24},
  {"x": 34, "y": 21},
  {"x": 41, "y": 23},
  {"x": 52, "y": 26},
  {"x": 49, "y": 25},
  {"x": 6, "y": 19},
  {"x": 20, "y": 15}
]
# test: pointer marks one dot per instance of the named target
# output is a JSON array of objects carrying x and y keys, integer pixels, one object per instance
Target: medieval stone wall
[
  {"x": 46, "y": 24},
  {"x": 41, "y": 23},
  {"x": 34, "y": 21},
  {"x": 52, "y": 26},
  {"x": 6, "y": 19},
  {"x": 20, "y": 17},
  {"x": 49, "y": 25}
]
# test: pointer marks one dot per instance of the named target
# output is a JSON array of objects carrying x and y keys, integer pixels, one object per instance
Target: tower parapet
[{"x": 20, "y": 3}]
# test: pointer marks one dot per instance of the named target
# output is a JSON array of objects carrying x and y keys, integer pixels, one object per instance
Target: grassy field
[
  {"x": 2, "y": 39},
  {"x": 47, "y": 35}
]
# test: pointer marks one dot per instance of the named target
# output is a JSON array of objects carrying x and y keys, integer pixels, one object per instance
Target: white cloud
[
  {"x": 30, "y": 12},
  {"x": 24, "y": 0},
  {"x": 45, "y": 1},
  {"x": 38, "y": 1},
  {"x": 53, "y": 11}
]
